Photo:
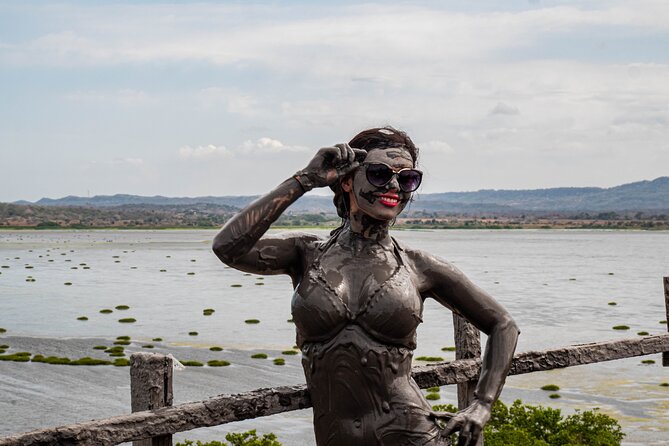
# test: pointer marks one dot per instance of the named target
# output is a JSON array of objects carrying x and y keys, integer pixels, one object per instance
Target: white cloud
[
  {"x": 436, "y": 147},
  {"x": 136, "y": 162},
  {"x": 204, "y": 152},
  {"x": 504, "y": 109},
  {"x": 124, "y": 96},
  {"x": 249, "y": 147},
  {"x": 349, "y": 42}
]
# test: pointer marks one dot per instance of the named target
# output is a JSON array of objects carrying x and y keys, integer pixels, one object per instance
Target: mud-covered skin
[{"x": 358, "y": 299}]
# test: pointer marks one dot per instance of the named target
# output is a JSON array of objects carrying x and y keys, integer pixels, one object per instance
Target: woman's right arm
[{"x": 241, "y": 245}]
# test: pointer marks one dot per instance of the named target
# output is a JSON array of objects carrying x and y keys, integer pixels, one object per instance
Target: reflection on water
[{"x": 558, "y": 285}]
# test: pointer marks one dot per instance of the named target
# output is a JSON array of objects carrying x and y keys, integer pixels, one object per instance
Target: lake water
[{"x": 556, "y": 284}]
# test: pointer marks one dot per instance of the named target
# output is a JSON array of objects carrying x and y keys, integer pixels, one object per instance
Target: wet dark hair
[{"x": 376, "y": 138}]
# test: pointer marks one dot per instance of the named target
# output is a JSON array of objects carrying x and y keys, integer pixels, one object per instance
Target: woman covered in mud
[{"x": 359, "y": 297}]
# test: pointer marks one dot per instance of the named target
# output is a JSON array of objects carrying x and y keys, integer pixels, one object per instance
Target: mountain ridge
[{"x": 640, "y": 196}]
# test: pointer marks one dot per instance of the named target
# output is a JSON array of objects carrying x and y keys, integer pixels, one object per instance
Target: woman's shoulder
[{"x": 303, "y": 240}]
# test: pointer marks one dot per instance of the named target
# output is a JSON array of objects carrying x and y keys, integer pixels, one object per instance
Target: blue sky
[{"x": 230, "y": 98}]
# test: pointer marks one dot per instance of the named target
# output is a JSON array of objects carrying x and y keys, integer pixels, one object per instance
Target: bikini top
[{"x": 389, "y": 314}]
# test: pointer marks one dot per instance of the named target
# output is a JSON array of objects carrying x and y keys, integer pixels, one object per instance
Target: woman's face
[{"x": 380, "y": 203}]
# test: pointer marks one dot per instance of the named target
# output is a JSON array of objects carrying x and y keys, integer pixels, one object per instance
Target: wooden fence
[{"x": 154, "y": 419}]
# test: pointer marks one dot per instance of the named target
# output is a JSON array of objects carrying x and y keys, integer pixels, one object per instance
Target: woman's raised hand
[{"x": 328, "y": 165}]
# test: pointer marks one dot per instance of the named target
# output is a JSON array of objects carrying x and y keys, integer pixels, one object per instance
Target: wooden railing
[{"x": 154, "y": 419}]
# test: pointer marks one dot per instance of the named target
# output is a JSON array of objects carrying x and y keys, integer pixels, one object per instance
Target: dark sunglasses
[{"x": 379, "y": 174}]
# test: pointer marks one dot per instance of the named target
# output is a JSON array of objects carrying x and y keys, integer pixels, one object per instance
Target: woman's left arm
[{"x": 449, "y": 286}]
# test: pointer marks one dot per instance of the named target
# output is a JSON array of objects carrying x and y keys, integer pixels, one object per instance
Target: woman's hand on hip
[{"x": 469, "y": 422}]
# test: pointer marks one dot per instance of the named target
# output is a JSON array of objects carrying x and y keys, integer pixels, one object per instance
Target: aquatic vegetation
[
  {"x": 82, "y": 318},
  {"x": 259, "y": 283},
  {"x": 613, "y": 303},
  {"x": 610, "y": 274},
  {"x": 4, "y": 346},
  {"x": 163, "y": 270},
  {"x": 127, "y": 320},
  {"x": 30, "y": 267},
  {"x": 208, "y": 311},
  {"x": 279, "y": 361},
  {"x": 290, "y": 321},
  {"x": 236, "y": 285},
  {"x": 122, "y": 307},
  {"x": 157, "y": 339},
  {"x": 217, "y": 363},
  {"x": 30, "y": 279},
  {"x": 2, "y": 350},
  {"x": 550, "y": 387},
  {"x": 664, "y": 384},
  {"x": 16, "y": 357},
  {"x": 192, "y": 333},
  {"x": 192, "y": 363},
  {"x": 216, "y": 349},
  {"x": 3, "y": 330},
  {"x": 663, "y": 322},
  {"x": 90, "y": 361},
  {"x": 259, "y": 356},
  {"x": 432, "y": 396},
  {"x": 117, "y": 354},
  {"x": 620, "y": 327},
  {"x": 114, "y": 349},
  {"x": 554, "y": 396},
  {"x": 121, "y": 342},
  {"x": 190, "y": 273},
  {"x": 251, "y": 321},
  {"x": 430, "y": 358},
  {"x": 100, "y": 347},
  {"x": 54, "y": 360},
  {"x": 106, "y": 311},
  {"x": 448, "y": 349},
  {"x": 289, "y": 352},
  {"x": 121, "y": 362},
  {"x": 648, "y": 361},
  {"x": 123, "y": 338},
  {"x": 433, "y": 389},
  {"x": 643, "y": 333},
  {"x": 67, "y": 283}
]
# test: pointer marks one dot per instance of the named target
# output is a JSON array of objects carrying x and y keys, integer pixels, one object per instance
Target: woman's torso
[{"x": 356, "y": 310}]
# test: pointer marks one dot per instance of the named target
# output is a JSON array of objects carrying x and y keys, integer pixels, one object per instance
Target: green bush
[
  {"x": 526, "y": 425},
  {"x": 249, "y": 438}
]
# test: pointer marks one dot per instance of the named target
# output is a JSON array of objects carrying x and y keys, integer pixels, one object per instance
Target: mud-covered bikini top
[{"x": 390, "y": 313}]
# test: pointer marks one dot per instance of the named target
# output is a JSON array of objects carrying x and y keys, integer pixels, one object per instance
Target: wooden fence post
[
  {"x": 151, "y": 388},
  {"x": 665, "y": 281},
  {"x": 467, "y": 346}
]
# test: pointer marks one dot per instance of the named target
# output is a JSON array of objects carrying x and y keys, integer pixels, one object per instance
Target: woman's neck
[{"x": 367, "y": 227}]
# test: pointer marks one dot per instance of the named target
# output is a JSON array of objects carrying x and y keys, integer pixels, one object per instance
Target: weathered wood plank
[
  {"x": 151, "y": 388},
  {"x": 467, "y": 346},
  {"x": 665, "y": 354},
  {"x": 262, "y": 402}
]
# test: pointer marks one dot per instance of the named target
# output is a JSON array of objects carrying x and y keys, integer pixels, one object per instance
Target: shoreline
[{"x": 402, "y": 227}]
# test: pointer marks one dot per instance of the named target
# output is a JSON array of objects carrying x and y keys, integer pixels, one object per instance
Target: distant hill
[
  {"x": 641, "y": 196},
  {"x": 644, "y": 196}
]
